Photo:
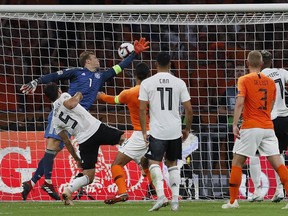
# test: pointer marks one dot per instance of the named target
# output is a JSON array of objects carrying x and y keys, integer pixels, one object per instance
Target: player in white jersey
[
  {"x": 70, "y": 117},
  {"x": 164, "y": 92},
  {"x": 279, "y": 113}
]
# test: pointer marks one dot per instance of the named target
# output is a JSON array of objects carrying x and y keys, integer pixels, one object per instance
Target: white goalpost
[{"x": 208, "y": 45}]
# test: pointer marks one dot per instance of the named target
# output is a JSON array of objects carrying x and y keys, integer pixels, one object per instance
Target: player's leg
[
  {"x": 269, "y": 148},
  {"x": 144, "y": 163},
  {"x": 281, "y": 132},
  {"x": 245, "y": 146},
  {"x": 45, "y": 165},
  {"x": 155, "y": 154},
  {"x": 88, "y": 154},
  {"x": 119, "y": 178},
  {"x": 255, "y": 172},
  {"x": 281, "y": 169},
  {"x": 174, "y": 153}
]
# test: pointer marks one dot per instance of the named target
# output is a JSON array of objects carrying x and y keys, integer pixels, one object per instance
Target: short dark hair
[
  {"x": 163, "y": 59},
  {"x": 84, "y": 56},
  {"x": 51, "y": 91},
  {"x": 267, "y": 57},
  {"x": 142, "y": 71}
]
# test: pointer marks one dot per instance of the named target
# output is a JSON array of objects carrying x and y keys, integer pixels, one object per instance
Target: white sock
[
  {"x": 78, "y": 183},
  {"x": 278, "y": 181},
  {"x": 157, "y": 179},
  {"x": 255, "y": 171},
  {"x": 174, "y": 180}
]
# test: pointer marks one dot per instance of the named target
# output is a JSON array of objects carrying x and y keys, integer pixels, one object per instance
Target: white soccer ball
[{"x": 125, "y": 49}]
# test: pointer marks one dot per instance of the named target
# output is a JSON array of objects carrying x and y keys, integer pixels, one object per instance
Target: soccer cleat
[
  {"x": 27, "y": 187},
  {"x": 67, "y": 197},
  {"x": 257, "y": 196},
  {"x": 117, "y": 198},
  {"x": 285, "y": 207},
  {"x": 230, "y": 206},
  {"x": 49, "y": 188},
  {"x": 174, "y": 206},
  {"x": 161, "y": 202},
  {"x": 278, "y": 196}
]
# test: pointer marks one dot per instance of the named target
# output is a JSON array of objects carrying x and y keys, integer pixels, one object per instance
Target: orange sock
[
  {"x": 119, "y": 178},
  {"x": 147, "y": 173},
  {"x": 235, "y": 182},
  {"x": 283, "y": 173}
]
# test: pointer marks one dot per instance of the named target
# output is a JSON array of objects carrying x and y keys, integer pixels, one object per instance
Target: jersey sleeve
[
  {"x": 62, "y": 74},
  {"x": 143, "y": 94},
  {"x": 64, "y": 96},
  {"x": 118, "y": 68},
  {"x": 184, "y": 93},
  {"x": 241, "y": 87},
  {"x": 123, "y": 97}
]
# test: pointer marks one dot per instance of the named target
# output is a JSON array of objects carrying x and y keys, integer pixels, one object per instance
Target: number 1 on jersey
[{"x": 169, "y": 90}]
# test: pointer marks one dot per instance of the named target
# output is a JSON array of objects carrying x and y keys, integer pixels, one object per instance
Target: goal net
[{"x": 208, "y": 50}]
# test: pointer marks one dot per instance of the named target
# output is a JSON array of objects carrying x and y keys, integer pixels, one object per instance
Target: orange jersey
[
  {"x": 260, "y": 93},
  {"x": 129, "y": 97}
]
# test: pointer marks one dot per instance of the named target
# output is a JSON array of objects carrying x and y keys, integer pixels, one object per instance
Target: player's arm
[
  {"x": 189, "y": 118},
  {"x": 69, "y": 146},
  {"x": 110, "y": 99},
  {"x": 30, "y": 87},
  {"x": 142, "y": 115},
  {"x": 139, "y": 47},
  {"x": 237, "y": 113},
  {"x": 73, "y": 101}
]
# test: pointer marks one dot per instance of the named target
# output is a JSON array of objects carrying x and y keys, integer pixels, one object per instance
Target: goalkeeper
[
  {"x": 88, "y": 80},
  {"x": 135, "y": 147}
]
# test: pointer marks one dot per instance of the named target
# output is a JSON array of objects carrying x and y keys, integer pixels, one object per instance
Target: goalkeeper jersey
[
  {"x": 280, "y": 77},
  {"x": 85, "y": 81},
  {"x": 78, "y": 121},
  {"x": 164, "y": 92}
]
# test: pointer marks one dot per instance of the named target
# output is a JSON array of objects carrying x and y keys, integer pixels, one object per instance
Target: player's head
[
  {"x": 52, "y": 91},
  {"x": 88, "y": 59},
  {"x": 267, "y": 58},
  {"x": 163, "y": 61},
  {"x": 254, "y": 60},
  {"x": 142, "y": 71}
]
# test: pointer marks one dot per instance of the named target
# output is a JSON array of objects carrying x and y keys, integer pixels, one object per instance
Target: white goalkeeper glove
[{"x": 30, "y": 87}]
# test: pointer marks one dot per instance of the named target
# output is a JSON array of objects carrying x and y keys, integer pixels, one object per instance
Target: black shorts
[
  {"x": 157, "y": 149},
  {"x": 105, "y": 135},
  {"x": 281, "y": 131}
]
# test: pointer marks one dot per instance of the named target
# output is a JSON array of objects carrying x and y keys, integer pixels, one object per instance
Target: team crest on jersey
[
  {"x": 97, "y": 75},
  {"x": 60, "y": 72}
]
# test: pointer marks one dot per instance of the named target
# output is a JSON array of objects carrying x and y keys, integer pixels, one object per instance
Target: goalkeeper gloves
[
  {"x": 141, "y": 45},
  {"x": 30, "y": 87}
]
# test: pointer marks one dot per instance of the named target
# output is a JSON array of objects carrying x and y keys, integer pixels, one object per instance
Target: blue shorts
[{"x": 50, "y": 131}]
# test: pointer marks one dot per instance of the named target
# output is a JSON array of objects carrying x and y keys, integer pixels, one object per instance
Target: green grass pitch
[{"x": 191, "y": 208}]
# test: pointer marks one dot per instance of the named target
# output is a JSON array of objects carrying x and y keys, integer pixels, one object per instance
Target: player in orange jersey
[
  {"x": 135, "y": 147},
  {"x": 256, "y": 96}
]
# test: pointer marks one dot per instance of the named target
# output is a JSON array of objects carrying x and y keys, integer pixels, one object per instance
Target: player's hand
[
  {"x": 236, "y": 131},
  {"x": 98, "y": 97},
  {"x": 141, "y": 45},
  {"x": 146, "y": 139},
  {"x": 30, "y": 87},
  {"x": 185, "y": 134}
]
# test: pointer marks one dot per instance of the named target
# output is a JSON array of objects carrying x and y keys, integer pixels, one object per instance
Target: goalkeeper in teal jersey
[{"x": 88, "y": 80}]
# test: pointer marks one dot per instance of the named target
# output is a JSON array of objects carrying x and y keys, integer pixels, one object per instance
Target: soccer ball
[{"x": 125, "y": 49}]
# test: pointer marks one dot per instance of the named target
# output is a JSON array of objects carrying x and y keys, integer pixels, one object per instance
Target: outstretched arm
[
  {"x": 69, "y": 146},
  {"x": 73, "y": 101},
  {"x": 30, "y": 87},
  {"x": 118, "y": 99},
  {"x": 139, "y": 47}
]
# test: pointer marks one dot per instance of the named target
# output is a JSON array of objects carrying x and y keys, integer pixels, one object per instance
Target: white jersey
[
  {"x": 78, "y": 121},
  {"x": 280, "y": 77},
  {"x": 164, "y": 93}
]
